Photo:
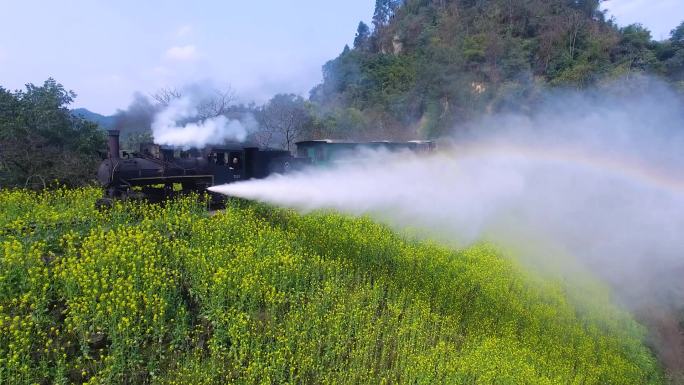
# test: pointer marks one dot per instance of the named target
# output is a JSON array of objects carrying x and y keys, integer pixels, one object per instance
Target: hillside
[
  {"x": 149, "y": 294},
  {"x": 105, "y": 122},
  {"x": 427, "y": 66}
]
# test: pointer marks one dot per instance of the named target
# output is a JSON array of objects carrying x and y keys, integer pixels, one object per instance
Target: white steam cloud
[
  {"x": 180, "y": 124},
  {"x": 597, "y": 175}
]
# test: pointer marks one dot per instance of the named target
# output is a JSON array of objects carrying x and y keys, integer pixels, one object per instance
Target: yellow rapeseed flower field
[{"x": 255, "y": 295}]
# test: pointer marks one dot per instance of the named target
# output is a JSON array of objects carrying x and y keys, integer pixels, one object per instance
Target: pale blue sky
[{"x": 107, "y": 50}]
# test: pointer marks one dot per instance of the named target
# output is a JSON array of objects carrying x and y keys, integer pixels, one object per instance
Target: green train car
[{"x": 325, "y": 151}]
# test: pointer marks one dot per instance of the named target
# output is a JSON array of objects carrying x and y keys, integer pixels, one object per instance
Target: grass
[{"x": 171, "y": 294}]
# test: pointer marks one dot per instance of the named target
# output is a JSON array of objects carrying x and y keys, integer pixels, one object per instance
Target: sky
[
  {"x": 108, "y": 50},
  {"x": 660, "y": 16}
]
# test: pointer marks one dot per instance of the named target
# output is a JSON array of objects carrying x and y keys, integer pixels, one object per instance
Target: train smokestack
[{"x": 113, "y": 144}]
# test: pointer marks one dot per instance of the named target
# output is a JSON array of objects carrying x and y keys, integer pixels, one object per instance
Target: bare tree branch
[
  {"x": 164, "y": 96},
  {"x": 284, "y": 118},
  {"x": 216, "y": 104}
]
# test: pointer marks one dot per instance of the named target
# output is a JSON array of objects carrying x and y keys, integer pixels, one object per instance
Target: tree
[
  {"x": 135, "y": 123},
  {"x": 677, "y": 35},
  {"x": 41, "y": 141},
  {"x": 384, "y": 10},
  {"x": 590, "y": 8},
  {"x": 284, "y": 119},
  {"x": 164, "y": 96},
  {"x": 674, "y": 62},
  {"x": 209, "y": 103},
  {"x": 382, "y": 13},
  {"x": 362, "y": 36},
  {"x": 636, "y": 48}
]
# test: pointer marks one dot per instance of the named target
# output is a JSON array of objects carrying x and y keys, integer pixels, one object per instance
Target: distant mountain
[{"x": 106, "y": 122}]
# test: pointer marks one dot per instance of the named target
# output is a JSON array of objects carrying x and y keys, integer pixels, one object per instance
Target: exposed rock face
[{"x": 397, "y": 45}]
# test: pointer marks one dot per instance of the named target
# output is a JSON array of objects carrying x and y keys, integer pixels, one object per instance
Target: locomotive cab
[{"x": 226, "y": 164}]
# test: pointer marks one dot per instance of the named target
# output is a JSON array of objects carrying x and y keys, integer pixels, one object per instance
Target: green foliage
[
  {"x": 384, "y": 10},
  {"x": 41, "y": 141},
  {"x": 462, "y": 57},
  {"x": 132, "y": 140},
  {"x": 636, "y": 49},
  {"x": 672, "y": 55},
  {"x": 363, "y": 33},
  {"x": 677, "y": 35},
  {"x": 150, "y": 294},
  {"x": 345, "y": 123}
]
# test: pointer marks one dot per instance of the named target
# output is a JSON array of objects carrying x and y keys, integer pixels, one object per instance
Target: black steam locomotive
[{"x": 156, "y": 173}]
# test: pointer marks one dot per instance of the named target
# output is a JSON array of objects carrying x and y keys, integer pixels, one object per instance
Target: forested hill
[
  {"x": 426, "y": 65},
  {"x": 106, "y": 122}
]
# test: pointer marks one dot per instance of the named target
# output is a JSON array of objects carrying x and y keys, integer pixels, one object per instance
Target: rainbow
[{"x": 627, "y": 168}]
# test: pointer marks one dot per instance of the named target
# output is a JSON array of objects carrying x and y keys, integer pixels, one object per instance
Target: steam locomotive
[{"x": 155, "y": 173}]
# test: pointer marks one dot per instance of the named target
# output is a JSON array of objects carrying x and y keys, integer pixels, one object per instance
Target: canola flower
[{"x": 170, "y": 294}]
